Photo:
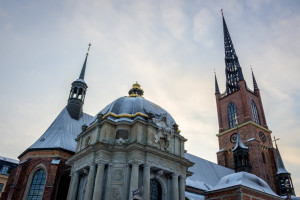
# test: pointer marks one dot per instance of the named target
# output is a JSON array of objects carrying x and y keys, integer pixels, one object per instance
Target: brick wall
[{"x": 19, "y": 177}]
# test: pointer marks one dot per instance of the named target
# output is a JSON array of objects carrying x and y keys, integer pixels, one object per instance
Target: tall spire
[
  {"x": 254, "y": 81},
  {"x": 217, "y": 91},
  {"x": 77, "y": 93},
  {"x": 233, "y": 70},
  {"x": 84, "y": 64}
]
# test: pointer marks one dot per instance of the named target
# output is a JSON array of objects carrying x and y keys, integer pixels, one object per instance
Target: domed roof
[
  {"x": 135, "y": 106},
  {"x": 245, "y": 179}
]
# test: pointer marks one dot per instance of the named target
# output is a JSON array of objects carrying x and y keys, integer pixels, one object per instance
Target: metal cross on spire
[{"x": 275, "y": 139}]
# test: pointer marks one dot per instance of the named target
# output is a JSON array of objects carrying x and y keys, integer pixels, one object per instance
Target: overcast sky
[{"x": 170, "y": 47}]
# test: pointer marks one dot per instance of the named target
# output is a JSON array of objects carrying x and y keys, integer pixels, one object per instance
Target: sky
[{"x": 171, "y": 47}]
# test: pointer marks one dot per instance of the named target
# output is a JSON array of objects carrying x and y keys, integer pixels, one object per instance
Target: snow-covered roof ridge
[
  {"x": 62, "y": 132},
  {"x": 9, "y": 160},
  {"x": 206, "y": 174},
  {"x": 245, "y": 179}
]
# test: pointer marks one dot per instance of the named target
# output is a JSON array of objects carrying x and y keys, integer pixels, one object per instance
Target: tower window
[
  {"x": 231, "y": 114},
  {"x": 1, "y": 187},
  {"x": 37, "y": 186},
  {"x": 254, "y": 113}
]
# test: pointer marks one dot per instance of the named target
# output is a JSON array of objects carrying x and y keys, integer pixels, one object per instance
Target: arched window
[
  {"x": 155, "y": 190},
  {"x": 231, "y": 114},
  {"x": 37, "y": 185},
  {"x": 254, "y": 113}
]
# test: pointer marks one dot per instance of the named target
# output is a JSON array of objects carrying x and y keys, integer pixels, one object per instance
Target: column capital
[
  {"x": 147, "y": 165},
  {"x": 182, "y": 176},
  {"x": 175, "y": 175},
  {"x": 135, "y": 162},
  {"x": 101, "y": 162}
]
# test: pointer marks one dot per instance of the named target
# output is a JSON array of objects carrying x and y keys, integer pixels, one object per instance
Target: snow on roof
[
  {"x": 245, "y": 179},
  {"x": 62, "y": 132},
  {"x": 206, "y": 174},
  {"x": 193, "y": 196},
  {"x": 132, "y": 105},
  {"x": 9, "y": 160}
]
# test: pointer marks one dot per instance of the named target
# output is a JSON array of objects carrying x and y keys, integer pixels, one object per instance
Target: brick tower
[{"x": 238, "y": 100}]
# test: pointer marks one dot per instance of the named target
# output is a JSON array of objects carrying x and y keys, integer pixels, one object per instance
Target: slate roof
[
  {"x": 62, "y": 132},
  {"x": 206, "y": 174},
  {"x": 281, "y": 168},
  {"x": 132, "y": 106},
  {"x": 244, "y": 179}
]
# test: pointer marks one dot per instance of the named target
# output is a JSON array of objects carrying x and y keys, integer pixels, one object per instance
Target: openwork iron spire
[
  {"x": 233, "y": 69},
  {"x": 81, "y": 76}
]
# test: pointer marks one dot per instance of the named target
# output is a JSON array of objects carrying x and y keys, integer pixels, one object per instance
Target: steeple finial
[
  {"x": 84, "y": 64},
  {"x": 217, "y": 91},
  {"x": 254, "y": 80},
  {"x": 136, "y": 90},
  {"x": 233, "y": 70}
]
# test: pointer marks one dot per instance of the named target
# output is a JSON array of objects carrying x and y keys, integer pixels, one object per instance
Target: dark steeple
[
  {"x": 240, "y": 153},
  {"x": 283, "y": 178},
  {"x": 217, "y": 91},
  {"x": 77, "y": 93},
  {"x": 255, "y": 87},
  {"x": 233, "y": 69}
]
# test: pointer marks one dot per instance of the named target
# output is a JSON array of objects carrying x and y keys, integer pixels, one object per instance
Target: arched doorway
[
  {"x": 155, "y": 190},
  {"x": 63, "y": 186}
]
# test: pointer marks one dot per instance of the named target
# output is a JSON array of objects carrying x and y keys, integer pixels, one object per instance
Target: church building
[{"x": 134, "y": 149}]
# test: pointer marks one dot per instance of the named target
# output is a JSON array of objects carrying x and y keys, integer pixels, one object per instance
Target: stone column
[
  {"x": 73, "y": 186},
  {"x": 182, "y": 188},
  {"x": 146, "y": 181},
  {"x": 134, "y": 180},
  {"x": 98, "y": 182},
  {"x": 175, "y": 191},
  {"x": 108, "y": 183},
  {"x": 90, "y": 184}
]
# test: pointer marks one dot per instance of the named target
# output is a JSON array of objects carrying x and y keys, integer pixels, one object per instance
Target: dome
[{"x": 135, "y": 106}]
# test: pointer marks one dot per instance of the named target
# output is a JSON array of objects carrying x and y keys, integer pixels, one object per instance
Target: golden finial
[
  {"x": 88, "y": 49},
  {"x": 136, "y": 90},
  {"x": 275, "y": 139}
]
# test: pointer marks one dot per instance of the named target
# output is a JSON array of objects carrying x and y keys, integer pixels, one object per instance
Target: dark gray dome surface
[{"x": 124, "y": 106}]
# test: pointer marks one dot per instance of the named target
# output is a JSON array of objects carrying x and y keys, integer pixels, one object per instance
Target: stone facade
[{"x": 116, "y": 165}]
